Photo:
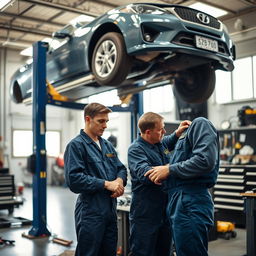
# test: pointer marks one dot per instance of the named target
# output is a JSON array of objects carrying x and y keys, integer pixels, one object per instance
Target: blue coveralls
[
  {"x": 194, "y": 168},
  {"x": 86, "y": 169},
  {"x": 149, "y": 228}
]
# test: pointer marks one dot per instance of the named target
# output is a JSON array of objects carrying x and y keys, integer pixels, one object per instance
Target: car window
[
  {"x": 127, "y": 9},
  {"x": 69, "y": 29},
  {"x": 56, "y": 43},
  {"x": 81, "y": 24}
]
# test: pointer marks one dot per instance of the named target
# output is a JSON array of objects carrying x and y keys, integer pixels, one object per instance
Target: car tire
[
  {"x": 195, "y": 85},
  {"x": 233, "y": 234},
  {"x": 110, "y": 61},
  {"x": 16, "y": 93}
]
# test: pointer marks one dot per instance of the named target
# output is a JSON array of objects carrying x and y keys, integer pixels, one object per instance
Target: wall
[{"x": 245, "y": 42}]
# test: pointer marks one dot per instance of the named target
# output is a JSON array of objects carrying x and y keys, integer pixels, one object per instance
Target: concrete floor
[{"x": 60, "y": 208}]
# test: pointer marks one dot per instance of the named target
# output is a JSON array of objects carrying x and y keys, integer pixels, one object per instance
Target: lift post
[
  {"x": 136, "y": 112},
  {"x": 39, "y": 96}
]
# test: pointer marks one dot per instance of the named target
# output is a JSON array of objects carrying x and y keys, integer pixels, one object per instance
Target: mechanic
[
  {"x": 192, "y": 170},
  {"x": 149, "y": 229},
  {"x": 93, "y": 170}
]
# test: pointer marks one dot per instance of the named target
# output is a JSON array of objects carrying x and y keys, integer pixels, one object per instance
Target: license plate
[{"x": 206, "y": 43}]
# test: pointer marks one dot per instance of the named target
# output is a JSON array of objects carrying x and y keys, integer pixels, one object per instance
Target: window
[
  {"x": 240, "y": 84},
  {"x": 242, "y": 79},
  {"x": 254, "y": 75},
  {"x": 223, "y": 86},
  {"x": 23, "y": 143},
  {"x": 109, "y": 98},
  {"x": 158, "y": 99}
]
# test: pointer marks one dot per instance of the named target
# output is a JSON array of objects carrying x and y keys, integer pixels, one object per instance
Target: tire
[
  {"x": 195, "y": 85},
  {"x": 233, "y": 234},
  {"x": 16, "y": 93},
  {"x": 110, "y": 69},
  {"x": 11, "y": 210},
  {"x": 227, "y": 236}
]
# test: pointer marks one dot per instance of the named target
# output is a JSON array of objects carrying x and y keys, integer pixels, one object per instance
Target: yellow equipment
[
  {"x": 53, "y": 92},
  {"x": 226, "y": 229}
]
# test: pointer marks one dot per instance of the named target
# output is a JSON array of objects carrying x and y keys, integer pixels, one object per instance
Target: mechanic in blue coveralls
[
  {"x": 149, "y": 229},
  {"x": 93, "y": 170},
  {"x": 192, "y": 170}
]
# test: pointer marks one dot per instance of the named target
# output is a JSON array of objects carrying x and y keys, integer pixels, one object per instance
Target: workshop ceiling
[{"x": 28, "y": 21}]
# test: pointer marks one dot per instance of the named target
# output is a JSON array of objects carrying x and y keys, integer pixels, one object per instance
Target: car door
[{"x": 64, "y": 60}]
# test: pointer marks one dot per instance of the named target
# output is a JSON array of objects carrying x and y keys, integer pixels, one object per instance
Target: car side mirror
[
  {"x": 61, "y": 35},
  {"x": 233, "y": 51}
]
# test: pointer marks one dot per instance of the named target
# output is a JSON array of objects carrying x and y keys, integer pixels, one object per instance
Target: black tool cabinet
[
  {"x": 7, "y": 192},
  {"x": 237, "y": 178}
]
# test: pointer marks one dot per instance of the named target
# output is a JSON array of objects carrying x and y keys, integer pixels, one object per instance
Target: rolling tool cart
[{"x": 7, "y": 193}]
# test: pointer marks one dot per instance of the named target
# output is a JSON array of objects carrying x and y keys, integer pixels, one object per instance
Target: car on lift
[{"x": 134, "y": 47}]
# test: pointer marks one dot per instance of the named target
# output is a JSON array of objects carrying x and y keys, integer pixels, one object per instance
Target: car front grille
[
  {"x": 191, "y": 15},
  {"x": 188, "y": 39}
]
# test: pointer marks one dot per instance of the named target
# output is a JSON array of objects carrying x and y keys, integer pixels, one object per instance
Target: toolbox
[{"x": 7, "y": 193}]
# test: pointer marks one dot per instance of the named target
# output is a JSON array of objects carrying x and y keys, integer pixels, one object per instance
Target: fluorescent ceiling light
[
  {"x": 10, "y": 43},
  {"x": 5, "y": 3},
  {"x": 214, "y": 11}
]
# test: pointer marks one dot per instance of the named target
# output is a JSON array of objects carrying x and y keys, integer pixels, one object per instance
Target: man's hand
[
  {"x": 182, "y": 127},
  {"x": 116, "y": 186},
  {"x": 158, "y": 173}
]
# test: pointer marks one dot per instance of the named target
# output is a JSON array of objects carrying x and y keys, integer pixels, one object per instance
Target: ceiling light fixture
[
  {"x": 5, "y": 3},
  {"x": 214, "y": 11}
]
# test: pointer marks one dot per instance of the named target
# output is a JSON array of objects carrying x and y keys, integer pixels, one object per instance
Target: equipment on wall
[{"x": 247, "y": 116}]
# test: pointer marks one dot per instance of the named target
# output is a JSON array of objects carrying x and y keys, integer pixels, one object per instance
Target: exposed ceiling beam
[
  {"x": 105, "y": 3},
  {"x": 60, "y": 7},
  {"x": 237, "y": 14},
  {"x": 12, "y": 44},
  {"x": 7, "y": 14},
  {"x": 175, "y": 1},
  {"x": 216, "y": 5},
  {"x": 27, "y": 42},
  {"x": 249, "y": 3},
  {"x": 25, "y": 30}
]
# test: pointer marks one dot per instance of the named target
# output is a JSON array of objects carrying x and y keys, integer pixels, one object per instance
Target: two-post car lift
[{"x": 40, "y": 100}]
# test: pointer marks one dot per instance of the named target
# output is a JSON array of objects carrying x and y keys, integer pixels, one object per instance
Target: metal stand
[
  {"x": 39, "y": 227},
  {"x": 137, "y": 111}
]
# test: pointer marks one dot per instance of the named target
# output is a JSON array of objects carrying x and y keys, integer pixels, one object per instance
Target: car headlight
[{"x": 148, "y": 9}]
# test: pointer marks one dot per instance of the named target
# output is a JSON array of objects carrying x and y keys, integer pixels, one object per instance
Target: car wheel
[
  {"x": 195, "y": 85},
  {"x": 233, "y": 234},
  {"x": 110, "y": 62},
  {"x": 16, "y": 93},
  {"x": 227, "y": 236}
]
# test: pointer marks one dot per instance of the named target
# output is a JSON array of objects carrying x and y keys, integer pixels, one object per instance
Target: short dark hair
[
  {"x": 148, "y": 121},
  {"x": 94, "y": 109}
]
